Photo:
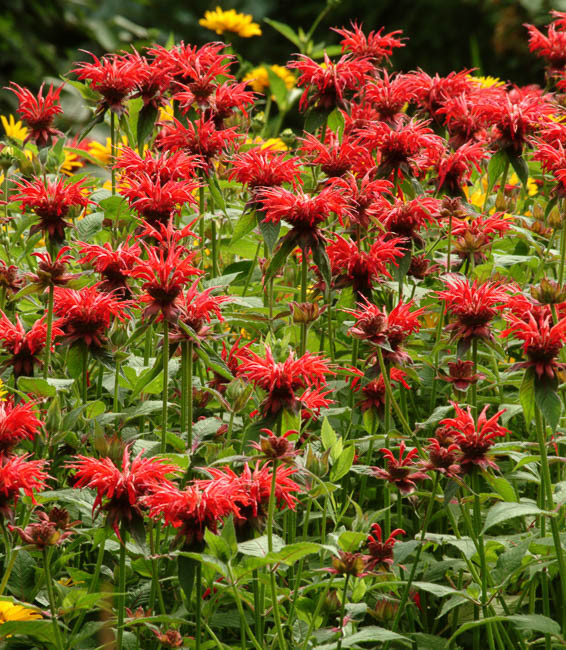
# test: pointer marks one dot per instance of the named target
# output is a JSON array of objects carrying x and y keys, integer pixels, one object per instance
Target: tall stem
[
  {"x": 562, "y": 254},
  {"x": 113, "y": 149},
  {"x": 243, "y": 618},
  {"x": 342, "y": 611},
  {"x": 84, "y": 382},
  {"x": 165, "y": 385},
  {"x": 448, "y": 256},
  {"x": 49, "y": 334},
  {"x": 270, "y": 515},
  {"x": 198, "y": 580},
  {"x": 304, "y": 326},
  {"x": 121, "y": 588},
  {"x": 214, "y": 246},
  {"x": 548, "y": 501},
  {"x": 51, "y": 595}
]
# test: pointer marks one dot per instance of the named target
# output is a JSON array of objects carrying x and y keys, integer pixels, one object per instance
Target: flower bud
[
  {"x": 555, "y": 219},
  {"x": 549, "y": 292},
  {"x": 348, "y": 564},
  {"x": 305, "y": 312},
  {"x": 238, "y": 393}
]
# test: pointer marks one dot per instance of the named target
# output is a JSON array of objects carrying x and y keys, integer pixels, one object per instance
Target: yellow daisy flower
[
  {"x": 532, "y": 188},
  {"x": 103, "y": 152},
  {"x": 488, "y": 82},
  {"x": 13, "y": 129},
  {"x": 70, "y": 163},
  {"x": 271, "y": 143},
  {"x": 220, "y": 21},
  {"x": 11, "y": 612},
  {"x": 258, "y": 78},
  {"x": 3, "y": 392},
  {"x": 166, "y": 113}
]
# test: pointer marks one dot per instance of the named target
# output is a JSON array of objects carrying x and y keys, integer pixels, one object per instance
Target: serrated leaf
[
  {"x": 285, "y": 248},
  {"x": 336, "y": 122},
  {"x": 504, "y": 511},
  {"x": 186, "y": 571},
  {"x": 284, "y": 30},
  {"x": 258, "y": 547},
  {"x": 344, "y": 463},
  {"x": 527, "y": 395},
  {"x": 323, "y": 263},
  {"x": 351, "y": 541},
  {"x": 327, "y": 435},
  {"x": 314, "y": 119},
  {"x": 146, "y": 120},
  {"x": 521, "y": 169},
  {"x": 245, "y": 224},
  {"x": 502, "y": 487},
  {"x": 548, "y": 401},
  {"x": 36, "y": 386},
  {"x": 270, "y": 232},
  {"x": 90, "y": 225},
  {"x": 495, "y": 169}
]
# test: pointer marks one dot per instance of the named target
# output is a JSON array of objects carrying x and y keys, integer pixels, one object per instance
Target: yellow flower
[
  {"x": 258, "y": 78},
  {"x": 103, "y": 152},
  {"x": 487, "y": 82},
  {"x": 532, "y": 188},
  {"x": 271, "y": 143},
  {"x": 13, "y": 129},
  {"x": 70, "y": 163},
  {"x": 11, "y": 612},
  {"x": 3, "y": 392},
  {"x": 166, "y": 113},
  {"x": 220, "y": 21}
]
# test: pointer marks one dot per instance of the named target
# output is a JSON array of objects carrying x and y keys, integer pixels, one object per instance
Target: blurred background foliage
[{"x": 41, "y": 38}]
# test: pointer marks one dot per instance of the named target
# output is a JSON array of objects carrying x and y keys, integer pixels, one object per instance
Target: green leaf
[
  {"x": 521, "y": 169},
  {"x": 370, "y": 421},
  {"x": 285, "y": 248},
  {"x": 218, "y": 546},
  {"x": 336, "y": 122},
  {"x": 186, "y": 571},
  {"x": 435, "y": 589},
  {"x": 321, "y": 260},
  {"x": 351, "y": 541},
  {"x": 258, "y": 547},
  {"x": 88, "y": 227},
  {"x": 314, "y": 119},
  {"x": 495, "y": 169},
  {"x": 549, "y": 402},
  {"x": 146, "y": 120},
  {"x": 40, "y": 630},
  {"x": 504, "y": 511},
  {"x": 270, "y": 232},
  {"x": 94, "y": 409},
  {"x": 502, "y": 487},
  {"x": 36, "y": 386},
  {"x": 285, "y": 31},
  {"x": 245, "y": 224},
  {"x": 277, "y": 87},
  {"x": 527, "y": 395},
  {"x": 216, "y": 193},
  {"x": 342, "y": 467},
  {"x": 327, "y": 435},
  {"x": 535, "y": 623}
]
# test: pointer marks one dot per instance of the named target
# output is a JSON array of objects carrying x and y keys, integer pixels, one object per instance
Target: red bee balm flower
[
  {"x": 399, "y": 471},
  {"x": 51, "y": 202},
  {"x": 375, "y": 46},
  {"x": 165, "y": 273},
  {"x": 114, "y": 77},
  {"x": 261, "y": 168},
  {"x": 197, "y": 309},
  {"x": 113, "y": 265},
  {"x": 282, "y": 380},
  {"x": 381, "y": 552},
  {"x": 85, "y": 315},
  {"x": 542, "y": 341},
  {"x": 473, "y": 305},
  {"x": 17, "y": 422},
  {"x": 474, "y": 440},
  {"x": 19, "y": 473},
  {"x": 329, "y": 80},
  {"x": 24, "y": 347},
  {"x": 123, "y": 488},
  {"x": 551, "y": 47},
  {"x": 256, "y": 486},
  {"x": 374, "y": 392},
  {"x": 38, "y": 112},
  {"x": 304, "y": 212},
  {"x": 193, "y": 510},
  {"x": 377, "y": 327}
]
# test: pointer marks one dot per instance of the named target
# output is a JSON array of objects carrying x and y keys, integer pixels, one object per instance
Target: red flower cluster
[{"x": 38, "y": 112}]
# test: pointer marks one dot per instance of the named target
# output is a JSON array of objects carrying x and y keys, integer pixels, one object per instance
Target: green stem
[
  {"x": 432, "y": 404},
  {"x": 316, "y": 612},
  {"x": 84, "y": 382},
  {"x": 155, "y": 586},
  {"x": 116, "y": 387},
  {"x": 189, "y": 396},
  {"x": 198, "y": 580},
  {"x": 562, "y": 254},
  {"x": 121, "y": 588},
  {"x": 270, "y": 515},
  {"x": 251, "y": 271},
  {"x": 407, "y": 589},
  {"x": 9, "y": 558},
  {"x": 113, "y": 149},
  {"x": 51, "y": 595},
  {"x": 448, "y": 257},
  {"x": 164, "y": 411},
  {"x": 214, "y": 246},
  {"x": 329, "y": 326},
  {"x": 49, "y": 334},
  {"x": 243, "y": 618},
  {"x": 304, "y": 326},
  {"x": 393, "y": 401},
  {"x": 474, "y": 387},
  {"x": 548, "y": 500},
  {"x": 342, "y": 611}
]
